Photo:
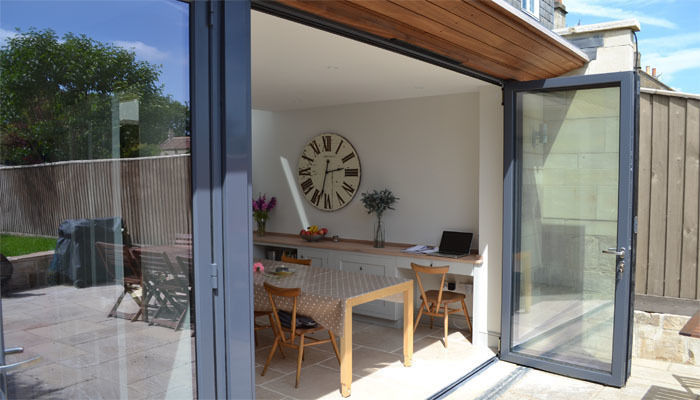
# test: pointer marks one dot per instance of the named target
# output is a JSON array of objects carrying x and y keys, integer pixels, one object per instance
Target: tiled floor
[
  {"x": 377, "y": 369},
  {"x": 85, "y": 355}
]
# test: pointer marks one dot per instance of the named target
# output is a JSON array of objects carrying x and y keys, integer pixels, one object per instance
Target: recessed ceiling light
[{"x": 333, "y": 67}]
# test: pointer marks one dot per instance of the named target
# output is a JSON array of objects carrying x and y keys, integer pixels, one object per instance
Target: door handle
[
  {"x": 14, "y": 350},
  {"x": 24, "y": 363},
  {"x": 614, "y": 251}
]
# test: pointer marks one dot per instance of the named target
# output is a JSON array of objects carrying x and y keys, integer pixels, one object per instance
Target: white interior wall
[
  {"x": 491, "y": 208},
  {"x": 426, "y": 150}
]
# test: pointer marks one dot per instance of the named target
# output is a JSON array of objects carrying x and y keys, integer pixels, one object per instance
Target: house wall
[
  {"x": 546, "y": 11},
  {"x": 609, "y": 46},
  {"x": 426, "y": 150}
]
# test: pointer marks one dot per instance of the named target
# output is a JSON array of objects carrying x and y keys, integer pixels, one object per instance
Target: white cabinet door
[
  {"x": 319, "y": 257},
  {"x": 375, "y": 265}
]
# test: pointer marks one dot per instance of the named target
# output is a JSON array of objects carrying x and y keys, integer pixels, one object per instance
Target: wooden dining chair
[
  {"x": 292, "y": 260},
  {"x": 294, "y": 328},
  {"x": 122, "y": 267},
  {"x": 435, "y": 302}
]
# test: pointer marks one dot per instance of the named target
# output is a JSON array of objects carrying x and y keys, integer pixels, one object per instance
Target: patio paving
[
  {"x": 86, "y": 355},
  {"x": 650, "y": 380}
]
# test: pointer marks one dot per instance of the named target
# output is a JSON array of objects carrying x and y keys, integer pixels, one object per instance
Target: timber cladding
[
  {"x": 668, "y": 192},
  {"x": 480, "y": 35},
  {"x": 151, "y": 194}
]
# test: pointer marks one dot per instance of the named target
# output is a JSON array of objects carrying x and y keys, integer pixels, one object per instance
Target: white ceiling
[{"x": 295, "y": 66}]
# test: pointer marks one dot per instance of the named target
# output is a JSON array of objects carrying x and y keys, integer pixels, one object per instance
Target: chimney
[
  {"x": 653, "y": 72},
  {"x": 559, "y": 14},
  {"x": 648, "y": 70}
]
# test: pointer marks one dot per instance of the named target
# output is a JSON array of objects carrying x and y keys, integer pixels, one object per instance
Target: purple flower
[{"x": 271, "y": 204}]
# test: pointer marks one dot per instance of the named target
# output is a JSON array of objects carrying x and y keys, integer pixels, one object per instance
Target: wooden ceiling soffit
[{"x": 487, "y": 36}]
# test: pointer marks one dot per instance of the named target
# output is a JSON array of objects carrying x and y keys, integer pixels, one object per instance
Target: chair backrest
[
  {"x": 115, "y": 256},
  {"x": 154, "y": 264},
  {"x": 183, "y": 239},
  {"x": 186, "y": 266},
  {"x": 422, "y": 269},
  {"x": 293, "y": 260},
  {"x": 274, "y": 291}
]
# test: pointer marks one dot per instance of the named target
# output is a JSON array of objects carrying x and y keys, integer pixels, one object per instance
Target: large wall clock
[{"x": 329, "y": 172}]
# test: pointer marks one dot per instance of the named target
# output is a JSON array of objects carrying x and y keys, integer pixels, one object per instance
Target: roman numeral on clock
[
  {"x": 316, "y": 197},
  {"x": 327, "y": 143},
  {"x": 337, "y": 149},
  {"x": 348, "y": 157},
  {"x": 351, "y": 172},
  {"x": 340, "y": 199},
  {"x": 348, "y": 188},
  {"x": 307, "y": 158},
  {"x": 326, "y": 201},
  {"x": 306, "y": 171},
  {"x": 307, "y": 185},
  {"x": 314, "y": 146}
]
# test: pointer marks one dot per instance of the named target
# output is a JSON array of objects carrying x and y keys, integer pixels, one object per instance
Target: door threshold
[{"x": 442, "y": 393}]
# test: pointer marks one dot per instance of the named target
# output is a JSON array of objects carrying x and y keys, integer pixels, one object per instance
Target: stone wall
[
  {"x": 656, "y": 337},
  {"x": 30, "y": 271}
]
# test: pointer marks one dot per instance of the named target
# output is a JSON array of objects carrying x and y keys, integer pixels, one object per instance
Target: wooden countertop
[{"x": 359, "y": 246}]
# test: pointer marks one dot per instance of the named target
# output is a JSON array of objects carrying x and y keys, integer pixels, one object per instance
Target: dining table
[{"x": 329, "y": 295}]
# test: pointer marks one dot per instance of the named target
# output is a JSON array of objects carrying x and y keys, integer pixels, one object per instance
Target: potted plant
[
  {"x": 377, "y": 202},
  {"x": 261, "y": 211}
]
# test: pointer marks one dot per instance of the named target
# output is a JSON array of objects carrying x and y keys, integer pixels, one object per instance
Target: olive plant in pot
[{"x": 377, "y": 202}]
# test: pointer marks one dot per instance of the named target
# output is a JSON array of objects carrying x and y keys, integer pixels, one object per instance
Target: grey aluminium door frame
[
  {"x": 622, "y": 335},
  {"x": 221, "y": 181}
]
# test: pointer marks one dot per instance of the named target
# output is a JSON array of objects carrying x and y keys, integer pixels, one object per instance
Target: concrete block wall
[{"x": 30, "y": 271}]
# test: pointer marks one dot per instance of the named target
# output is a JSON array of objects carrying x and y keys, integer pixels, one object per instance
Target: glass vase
[
  {"x": 379, "y": 234},
  {"x": 261, "y": 227}
]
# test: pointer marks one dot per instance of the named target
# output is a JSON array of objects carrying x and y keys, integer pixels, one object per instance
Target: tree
[{"x": 57, "y": 96}]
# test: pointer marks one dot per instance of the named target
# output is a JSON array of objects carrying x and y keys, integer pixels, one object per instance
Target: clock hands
[
  {"x": 323, "y": 186},
  {"x": 334, "y": 170}
]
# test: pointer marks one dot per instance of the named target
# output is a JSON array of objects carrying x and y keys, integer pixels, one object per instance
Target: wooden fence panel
[
  {"x": 657, "y": 204},
  {"x": 689, "y": 260},
  {"x": 668, "y": 193},
  {"x": 643, "y": 193},
  {"x": 674, "y": 208},
  {"x": 151, "y": 194}
]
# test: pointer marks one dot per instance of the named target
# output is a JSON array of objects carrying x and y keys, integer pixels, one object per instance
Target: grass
[{"x": 11, "y": 245}]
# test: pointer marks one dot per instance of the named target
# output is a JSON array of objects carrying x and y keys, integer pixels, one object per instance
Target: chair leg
[
  {"x": 431, "y": 317},
  {"x": 113, "y": 311},
  {"x": 299, "y": 358},
  {"x": 466, "y": 314},
  {"x": 420, "y": 313},
  {"x": 269, "y": 356},
  {"x": 446, "y": 324},
  {"x": 335, "y": 346}
]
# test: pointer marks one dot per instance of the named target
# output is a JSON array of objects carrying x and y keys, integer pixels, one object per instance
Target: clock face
[{"x": 329, "y": 172}]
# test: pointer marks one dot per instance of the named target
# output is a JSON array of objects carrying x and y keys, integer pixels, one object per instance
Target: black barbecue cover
[{"x": 76, "y": 259}]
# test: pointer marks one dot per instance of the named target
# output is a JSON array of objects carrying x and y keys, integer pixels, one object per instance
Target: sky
[
  {"x": 156, "y": 30},
  {"x": 668, "y": 41}
]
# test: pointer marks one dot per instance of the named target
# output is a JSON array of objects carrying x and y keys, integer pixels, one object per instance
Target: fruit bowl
[
  {"x": 313, "y": 237},
  {"x": 313, "y": 233}
]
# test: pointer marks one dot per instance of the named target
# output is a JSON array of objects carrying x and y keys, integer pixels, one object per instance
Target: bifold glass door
[
  {"x": 568, "y": 225},
  {"x": 98, "y": 272}
]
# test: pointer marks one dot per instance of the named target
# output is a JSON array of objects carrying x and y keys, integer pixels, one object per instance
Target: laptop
[{"x": 454, "y": 244}]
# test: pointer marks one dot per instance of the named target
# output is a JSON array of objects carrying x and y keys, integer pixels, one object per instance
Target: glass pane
[
  {"x": 96, "y": 199},
  {"x": 564, "y": 286}
]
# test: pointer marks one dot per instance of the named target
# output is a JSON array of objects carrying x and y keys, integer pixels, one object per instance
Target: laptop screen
[{"x": 455, "y": 242}]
